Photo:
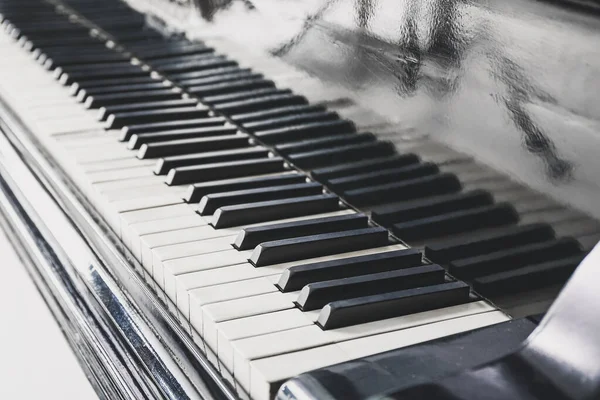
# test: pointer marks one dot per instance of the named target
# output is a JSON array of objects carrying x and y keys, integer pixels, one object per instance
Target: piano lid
[{"x": 513, "y": 82}]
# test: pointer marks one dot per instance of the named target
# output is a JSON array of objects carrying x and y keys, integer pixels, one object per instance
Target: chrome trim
[{"x": 145, "y": 352}]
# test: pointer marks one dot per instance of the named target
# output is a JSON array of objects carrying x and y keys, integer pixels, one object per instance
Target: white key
[
  {"x": 206, "y": 321},
  {"x": 184, "y": 251},
  {"x": 135, "y": 232},
  {"x": 267, "y": 374},
  {"x": 215, "y": 268},
  {"x": 267, "y": 345}
]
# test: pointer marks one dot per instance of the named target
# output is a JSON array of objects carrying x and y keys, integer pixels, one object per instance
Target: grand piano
[{"x": 316, "y": 199}]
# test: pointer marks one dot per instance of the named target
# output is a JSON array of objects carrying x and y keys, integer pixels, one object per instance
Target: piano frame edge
[{"x": 125, "y": 339}]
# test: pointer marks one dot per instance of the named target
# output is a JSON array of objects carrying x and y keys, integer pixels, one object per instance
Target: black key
[
  {"x": 290, "y": 120},
  {"x": 360, "y": 167},
  {"x": 299, "y": 248},
  {"x": 246, "y": 102},
  {"x": 295, "y": 278},
  {"x": 429, "y": 207},
  {"x": 210, "y": 63},
  {"x": 316, "y": 295},
  {"x": 457, "y": 222},
  {"x": 131, "y": 71},
  {"x": 211, "y": 202},
  {"x": 251, "y": 237},
  {"x": 104, "y": 112},
  {"x": 164, "y": 165},
  {"x": 276, "y": 112},
  {"x": 65, "y": 60},
  {"x": 196, "y": 145},
  {"x": 199, "y": 190},
  {"x": 503, "y": 238},
  {"x": 532, "y": 277},
  {"x": 221, "y": 78},
  {"x": 245, "y": 97},
  {"x": 234, "y": 169},
  {"x": 137, "y": 117},
  {"x": 137, "y": 141},
  {"x": 325, "y": 142},
  {"x": 205, "y": 73},
  {"x": 128, "y": 131},
  {"x": 504, "y": 260},
  {"x": 343, "y": 313},
  {"x": 167, "y": 63},
  {"x": 342, "y": 154},
  {"x": 75, "y": 87},
  {"x": 305, "y": 131},
  {"x": 225, "y": 88},
  {"x": 411, "y": 189},
  {"x": 134, "y": 87},
  {"x": 105, "y": 100},
  {"x": 384, "y": 176},
  {"x": 153, "y": 52},
  {"x": 253, "y": 213}
]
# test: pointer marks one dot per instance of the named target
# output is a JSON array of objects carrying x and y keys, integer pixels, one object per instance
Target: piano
[{"x": 321, "y": 199}]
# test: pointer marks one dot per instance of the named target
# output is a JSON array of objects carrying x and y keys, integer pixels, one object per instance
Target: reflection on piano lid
[{"x": 282, "y": 230}]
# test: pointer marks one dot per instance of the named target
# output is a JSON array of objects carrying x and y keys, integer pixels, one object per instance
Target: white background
[{"x": 35, "y": 360}]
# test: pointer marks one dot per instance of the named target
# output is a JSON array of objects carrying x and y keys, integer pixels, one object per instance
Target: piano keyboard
[{"x": 276, "y": 226}]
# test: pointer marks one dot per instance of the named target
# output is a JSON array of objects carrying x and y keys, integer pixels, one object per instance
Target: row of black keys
[{"x": 424, "y": 183}]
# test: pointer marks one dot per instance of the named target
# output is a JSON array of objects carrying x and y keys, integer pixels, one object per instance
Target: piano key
[
  {"x": 224, "y": 170},
  {"x": 209, "y": 72},
  {"x": 105, "y": 100},
  {"x": 295, "y": 119},
  {"x": 76, "y": 87},
  {"x": 104, "y": 112},
  {"x": 528, "y": 278},
  {"x": 305, "y": 131},
  {"x": 343, "y": 313},
  {"x": 229, "y": 216},
  {"x": 411, "y": 189},
  {"x": 429, "y": 207},
  {"x": 164, "y": 165},
  {"x": 125, "y": 71},
  {"x": 128, "y": 131},
  {"x": 219, "y": 89},
  {"x": 318, "y": 294},
  {"x": 324, "y": 142},
  {"x": 237, "y": 354},
  {"x": 342, "y": 154},
  {"x": 209, "y": 63},
  {"x": 83, "y": 93},
  {"x": 168, "y": 63},
  {"x": 71, "y": 59},
  {"x": 137, "y": 140},
  {"x": 267, "y": 374},
  {"x": 502, "y": 238},
  {"x": 512, "y": 258},
  {"x": 354, "y": 168},
  {"x": 456, "y": 222},
  {"x": 220, "y": 78},
  {"x": 184, "y": 274},
  {"x": 120, "y": 120},
  {"x": 286, "y": 250},
  {"x": 295, "y": 278},
  {"x": 276, "y": 112},
  {"x": 211, "y": 202},
  {"x": 246, "y": 102},
  {"x": 175, "y": 147},
  {"x": 152, "y": 52},
  {"x": 383, "y": 176},
  {"x": 249, "y": 238},
  {"x": 198, "y": 190}
]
